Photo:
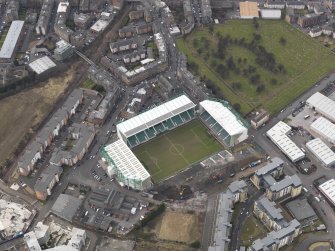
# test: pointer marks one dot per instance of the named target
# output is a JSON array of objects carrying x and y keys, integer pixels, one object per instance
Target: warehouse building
[
  {"x": 324, "y": 128},
  {"x": 151, "y": 123},
  {"x": 328, "y": 190},
  {"x": 7, "y": 52},
  {"x": 127, "y": 169},
  {"x": 227, "y": 126},
  {"x": 249, "y": 10},
  {"x": 270, "y": 14},
  {"x": 322, "y": 105},
  {"x": 41, "y": 65},
  {"x": 321, "y": 151},
  {"x": 278, "y": 135}
]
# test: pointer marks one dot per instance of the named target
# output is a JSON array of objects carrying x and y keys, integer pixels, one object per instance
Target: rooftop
[
  {"x": 328, "y": 189},
  {"x": 322, "y": 104},
  {"x": 12, "y": 37},
  {"x": 47, "y": 175},
  {"x": 322, "y": 151},
  {"x": 42, "y": 64},
  {"x": 271, "y": 166},
  {"x": 324, "y": 127},
  {"x": 248, "y": 9},
  {"x": 300, "y": 209},
  {"x": 66, "y": 206}
]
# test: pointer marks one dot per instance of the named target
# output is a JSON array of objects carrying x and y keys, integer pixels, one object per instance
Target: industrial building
[
  {"x": 321, "y": 151},
  {"x": 301, "y": 210},
  {"x": 8, "y": 49},
  {"x": 66, "y": 206},
  {"x": 149, "y": 124},
  {"x": 41, "y": 65},
  {"x": 270, "y": 14},
  {"x": 328, "y": 190},
  {"x": 278, "y": 135},
  {"x": 323, "y": 105},
  {"x": 248, "y": 10},
  {"x": 226, "y": 124},
  {"x": 324, "y": 128},
  {"x": 127, "y": 169}
]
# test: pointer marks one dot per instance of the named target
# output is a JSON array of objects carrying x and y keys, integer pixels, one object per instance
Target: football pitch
[{"x": 173, "y": 151}]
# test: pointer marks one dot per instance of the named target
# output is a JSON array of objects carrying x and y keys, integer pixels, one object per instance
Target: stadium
[{"x": 159, "y": 142}]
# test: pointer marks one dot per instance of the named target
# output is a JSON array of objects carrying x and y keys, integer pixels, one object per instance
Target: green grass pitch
[
  {"x": 177, "y": 149},
  {"x": 305, "y": 60}
]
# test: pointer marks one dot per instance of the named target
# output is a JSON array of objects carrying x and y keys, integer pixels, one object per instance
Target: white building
[
  {"x": 328, "y": 190},
  {"x": 278, "y": 135},
  {"x": 321, "y": 151},
  {"x": 42, "y": 64},
  {"x": 270, "y": 14},
  {"x": 323, "y": 105},
  {"x": 324, "y": 128},
  {"x": 223, "y": 122},
  {"x": 10, "y": 44},
  {"x": 99, "y": 26},
  {"x": 317, "y": 32},
  {"x": 124, "y": 164}
]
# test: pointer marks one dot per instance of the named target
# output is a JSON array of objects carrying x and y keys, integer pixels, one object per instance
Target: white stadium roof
[
  {"x": 42, "y": 64},
  {"x": 155, "y": 116},
  {"x": 126, "y": 161},
  {"x": 270, "y": 14},
  {"x": 321, "y": 151},
  {"x": 328, "y": 189},
  {"x": 325, "y": 128},
  {"x": 278, "y": 136},
  {"x": 12, "y": 36},
  {"x": 322, "y": 104},
  {"x": 226, "y": 119}
]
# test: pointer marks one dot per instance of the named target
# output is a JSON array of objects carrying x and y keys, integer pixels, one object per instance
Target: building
[
  {"x": 123, "y": 45},
  {"x": 238, "y": 190},
  {"x": 82, "y": 21},
  {"x": 248, "y": 10},
  {"x": 206, "y": 11},
  {"x": 42, "y": 233},
  {"x": 330, "y": 4},
  {"x": 135, "y": 56},
  {"x": 127, "y": 31},
  {"x": 324, "y": 128},
  {"x": 99, "y": 26},
  {"x": 47, "y": 180},
  {"x": 223, "y": 121},
  {"x": 222, "y": 223},
  {"x": 42, "y": 65},
  {"x": 260, "y": 118},
  {"x": 63, "y": 50},
  {"x": 44, "y": 17},
  {"x": 66, "y": 206},
  {"x": 159, "y": 119},
  {"x": 275, "y": 4},
  {"x": 278, "y": 135},
  {"x": 311, "y": 20},
  {"x": 302, "y": 211},
  {"x": 319, "y": 9},
  {"x": 127, "y": 168},
  {"x": 270, "y": 14},
  {"x": 12, "y": 11},
  {"x": 316, "y": 32},
  {"x": 144, "y": 28},
  {"x": 136, "y": 14},
  {"x": 323, "y": 105},
  {"x": 12, "y": 41},
  {"x": 31, "y": 155},
  {"x": 295, "y": 5},
  {"x": 63, "y": 32},
  {"x": 277, "y": 239},
  {"x": 328, "y": 190},
  {"x": 328, "y": 30},
  {"x": 267, "y": 212},
  {"x": 321, "y": 151},
  {"x": 117, "y": 4}
]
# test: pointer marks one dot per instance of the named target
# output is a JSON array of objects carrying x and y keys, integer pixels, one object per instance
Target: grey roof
[
  {"x": 12, "y": 37},
  {"x": 30, "y": 152},
  {"x": 262, "y": 113},
  {"x": 269, "y": 207},
  {"x": 48, "y": 174},
  {"x": 222, "y": 225},
  {"x": 71, "y": 101},
  {"x": 290, "y": 3},
  {"x": 124, "y": 42},
  {"x": 293, "y": 180},
  {"x": 301, "y": 209},
  {"x": 104, "y": 198},
  {"x": 66, "y": 206},
  {"x": 237, "y": 186},
  {"x": 275, "y": 236},
  {"x": 273, "y": 165}
]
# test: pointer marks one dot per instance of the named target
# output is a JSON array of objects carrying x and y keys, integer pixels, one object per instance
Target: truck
[{"x": 255, "y": 163}]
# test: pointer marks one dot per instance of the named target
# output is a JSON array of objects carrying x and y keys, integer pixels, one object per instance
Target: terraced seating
[
  {"x": 184, "y": 116},
  {"x": 205, "y": 115},
  {"x": 177, "y": 120},
  {"x": 141, "y": 137},
  {"x": 132, "y": 141},
  {"x": 168, "y": 124},
  {"x": 150, "y": 132}
]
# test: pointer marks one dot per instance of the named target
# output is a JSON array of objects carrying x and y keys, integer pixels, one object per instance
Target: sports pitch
[{"x": 173, "y": 151}]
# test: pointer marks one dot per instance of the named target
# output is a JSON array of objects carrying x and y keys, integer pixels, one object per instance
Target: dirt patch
[
  {"x": 161, "y": 246},
  {"x": 22, "y": 113},
  {"x": 180, "y": 227}
]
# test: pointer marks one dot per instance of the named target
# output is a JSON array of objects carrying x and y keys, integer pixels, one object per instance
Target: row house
[
  {"x": 46, "y": 181},
  {"x": 123, "y": 45}
]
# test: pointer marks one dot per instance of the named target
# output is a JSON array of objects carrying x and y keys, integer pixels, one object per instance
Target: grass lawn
[
  {"x": 304, "y": 62},
  {"x": 88, "y": 84},
  {"x": 252, "y": 230},
  {"x": 177, "y": 149}
]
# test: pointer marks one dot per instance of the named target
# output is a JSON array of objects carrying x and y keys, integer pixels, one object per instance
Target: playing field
[
  {"x": 240, "y": 72},
  {"x": 177, "y": 149}
]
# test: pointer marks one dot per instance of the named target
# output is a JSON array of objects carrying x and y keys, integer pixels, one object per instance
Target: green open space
[
  {"x": 177, "y": 149},
  {"x": 252, "y": 229},
  {"x": 88, "y": 84},
  {"x": 253, "y": 64}
]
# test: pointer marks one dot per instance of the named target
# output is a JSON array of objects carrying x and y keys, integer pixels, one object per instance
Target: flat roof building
[
  {"x": 66, "y": 206},
  {"x": 302, "y": 211},
  {"x": 270, "y": 14},
  {"x": 42, "y": 64},
  {"x": 128, "y": 169},
  {"x": 223, "y": 121},
  {"x": 322, "y": 104},
  {"x": 248, "y": 10},
  {"x": 278, "y": 136},
  {"x": 10, "y": 44},
  {"x": 324, "y": 128},
  {"x": 328, "y": 190},
  {"x": 321, "y": 151}
]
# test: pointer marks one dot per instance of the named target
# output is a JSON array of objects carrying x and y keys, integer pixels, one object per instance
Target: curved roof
[{"x": 155, "y": 116}]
